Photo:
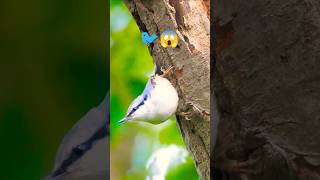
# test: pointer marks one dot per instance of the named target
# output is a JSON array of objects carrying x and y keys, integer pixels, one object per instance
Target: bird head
[{"x": 145, "y": 34}]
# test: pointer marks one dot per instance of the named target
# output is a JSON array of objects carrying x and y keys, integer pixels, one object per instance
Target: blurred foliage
[
  {"x": 183, "y": 171},
  {"x": 53, "y": 69},
  {"x": 132, "y": 144}
]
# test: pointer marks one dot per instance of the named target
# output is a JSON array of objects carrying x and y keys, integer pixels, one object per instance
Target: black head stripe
[{"x": 140, "y": 104}]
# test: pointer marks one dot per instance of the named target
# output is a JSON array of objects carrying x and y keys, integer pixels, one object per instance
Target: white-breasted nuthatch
[
  {"x": 83, "y": 153},
  {"x": 158, "y": 101}
]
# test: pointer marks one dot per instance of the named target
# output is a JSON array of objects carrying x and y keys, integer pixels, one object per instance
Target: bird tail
[{"x": 123, "y": 120}]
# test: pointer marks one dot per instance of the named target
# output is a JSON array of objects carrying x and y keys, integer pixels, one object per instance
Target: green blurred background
[
  {"x": 53, "y": 68},
  {"x": 139, "y": 150}
]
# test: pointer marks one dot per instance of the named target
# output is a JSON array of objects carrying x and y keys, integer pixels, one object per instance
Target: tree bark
[
  {"x": 191, "y": 60},
  {"x": 267, "y": 89}
]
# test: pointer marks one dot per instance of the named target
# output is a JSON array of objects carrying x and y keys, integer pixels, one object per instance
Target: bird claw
[
  {"x": 198, "y": 109},
  {"x": 185, "y": 115},
  {"x": 243, "y": 167},
  {"x": 166, "y": 72}
]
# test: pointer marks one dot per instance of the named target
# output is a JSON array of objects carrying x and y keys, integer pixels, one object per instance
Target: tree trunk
[
  {"x": 267, "y": 89},
  {"x": 191, "y": 60}
]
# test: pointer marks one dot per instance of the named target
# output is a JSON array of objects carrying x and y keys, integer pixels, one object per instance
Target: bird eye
[{"x": 79, "y": 150}]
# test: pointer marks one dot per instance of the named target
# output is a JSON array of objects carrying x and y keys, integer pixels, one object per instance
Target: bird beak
[{"x": 123, "y": 120}]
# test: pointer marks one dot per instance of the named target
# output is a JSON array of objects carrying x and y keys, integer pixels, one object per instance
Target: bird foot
[
  {"x": 166, "y": 72},
  {"x": 185, "y": 115},
  {"x": 198, "y": 109},
  {"x": 243, "y": 167}
]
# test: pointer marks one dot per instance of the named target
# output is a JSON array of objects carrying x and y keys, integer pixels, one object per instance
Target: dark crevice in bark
[
  {"x": 181, "y": 8},
  {"x": 137, "y": 18},
  {"x": 179, "y": 123},
  {"x": 190, "y": 46}
]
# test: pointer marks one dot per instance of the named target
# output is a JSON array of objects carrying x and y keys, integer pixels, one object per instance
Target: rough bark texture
[
  {"x": 191, "y": 60},
  {"x": 267, "y": 87}
]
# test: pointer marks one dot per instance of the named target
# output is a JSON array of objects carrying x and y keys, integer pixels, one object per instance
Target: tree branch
[
  {"x": 191, "y": 59},
  {"x": 267, "y": 88}
]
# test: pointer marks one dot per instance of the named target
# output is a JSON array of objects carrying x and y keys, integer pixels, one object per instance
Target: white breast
[
  {"x": 162, "y": 104},
  {"x": 164, "y": 98}
]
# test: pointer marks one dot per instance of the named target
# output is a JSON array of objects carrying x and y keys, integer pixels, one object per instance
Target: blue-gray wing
[
  {"x": 134, "y": 104},
  {"x": 141, "y": 98},
  {"x": 83, "y": 153}
]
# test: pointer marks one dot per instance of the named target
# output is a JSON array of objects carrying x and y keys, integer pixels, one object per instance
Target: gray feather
[{"x": 84, "y": 151}]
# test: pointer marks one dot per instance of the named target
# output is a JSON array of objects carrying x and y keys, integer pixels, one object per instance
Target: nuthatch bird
[
  {"x": 158, "y": 101},
  {"x": 83, "y": 153}
]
